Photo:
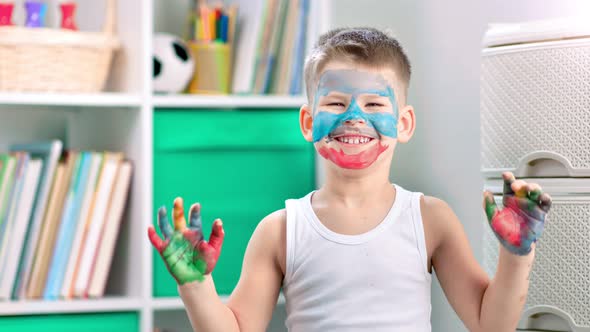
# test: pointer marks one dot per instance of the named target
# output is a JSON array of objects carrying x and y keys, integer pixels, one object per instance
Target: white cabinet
[{"x": 535, "y": 122}]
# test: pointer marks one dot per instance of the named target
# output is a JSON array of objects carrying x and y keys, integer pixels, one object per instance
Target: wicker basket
[{"x": 56, "y": 60}]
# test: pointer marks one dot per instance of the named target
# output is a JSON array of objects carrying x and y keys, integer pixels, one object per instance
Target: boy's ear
[
  {"x": 406, "y": 124},
  {"x": 306, "y": 122}
]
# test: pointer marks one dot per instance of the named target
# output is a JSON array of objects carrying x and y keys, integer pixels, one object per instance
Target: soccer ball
[{"x": 173, "y": 64}]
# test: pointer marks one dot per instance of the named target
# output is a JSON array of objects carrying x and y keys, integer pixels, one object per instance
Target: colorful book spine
[
  {"x": 64, "y": 239},
  {"x": 49, "y": 153},
  {"x": 21, "y": 163},
  {"x": 19, "y": 227}
]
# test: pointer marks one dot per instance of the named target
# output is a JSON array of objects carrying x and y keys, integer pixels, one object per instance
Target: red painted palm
[{"x": 520, "y": 223}]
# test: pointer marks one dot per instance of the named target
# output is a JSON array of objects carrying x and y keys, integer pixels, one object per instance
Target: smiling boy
[{"x": 357, "y": 254}]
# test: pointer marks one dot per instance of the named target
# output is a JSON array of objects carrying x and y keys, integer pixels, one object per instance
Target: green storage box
[
  {"x": 95, "y": 322},
  {"x": 240, "y": 165}
]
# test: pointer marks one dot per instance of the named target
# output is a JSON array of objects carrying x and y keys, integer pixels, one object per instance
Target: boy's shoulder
[
  {"x": 273, "y": 225},
  {"x": 271, "y": 233},
  {"x": 438, "y": 219},
  {"x": 433, "y": 206}
]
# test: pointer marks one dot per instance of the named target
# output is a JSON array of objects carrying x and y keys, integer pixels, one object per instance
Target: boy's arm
[
  {"x": 255, "y": 296},
  {"x": 484, "y": 304},
  {"x": 252, "y": 302}
]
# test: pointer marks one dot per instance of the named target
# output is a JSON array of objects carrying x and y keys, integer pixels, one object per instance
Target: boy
[{"x": 357, "y": 254}]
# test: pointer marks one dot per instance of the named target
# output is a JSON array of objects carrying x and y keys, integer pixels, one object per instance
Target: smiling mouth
[{"x": 353, "y": 139}]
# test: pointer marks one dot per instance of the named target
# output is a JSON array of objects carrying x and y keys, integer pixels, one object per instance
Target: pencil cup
[{"x": 212, "y": 68}]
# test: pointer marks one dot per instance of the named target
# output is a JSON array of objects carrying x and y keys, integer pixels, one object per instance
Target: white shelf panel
[
  {"x": 175, "y": 303},
  {"x": 200, "y": 101},
  {"x": 27, "y": 307},
  {"x": 107, "y": 99}
]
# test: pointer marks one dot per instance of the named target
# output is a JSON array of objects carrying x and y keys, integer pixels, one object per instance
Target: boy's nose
[{"x": 352, "y": 122}]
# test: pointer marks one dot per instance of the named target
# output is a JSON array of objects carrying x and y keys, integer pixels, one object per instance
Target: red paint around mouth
[{"x": 355, "y": 161}]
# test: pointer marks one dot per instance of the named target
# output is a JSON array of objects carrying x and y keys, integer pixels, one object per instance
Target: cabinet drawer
[
  {"x": 559, "y": 288},
  {"x": 535, "y": 105},
  {"x": 99, "y": 322},
  {"x": 240, "y": 166}
]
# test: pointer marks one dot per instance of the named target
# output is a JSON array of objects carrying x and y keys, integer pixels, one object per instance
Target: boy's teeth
[{"x": 354, "y": 140}]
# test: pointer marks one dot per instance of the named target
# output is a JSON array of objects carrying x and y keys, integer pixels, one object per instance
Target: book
[
  {"x": 63, "y": 242},
  {"x": 273, "y": 49},
  {"x": 296, "y": 85},
  {"x": 20, "y": 223},
  {"x": 282, "y": 73},
  {"x": 104, "y": 188},
  {"x": 249, "y": 27},
  {"x": 49, "y": 153},
  {"x": 263, "y": 49},
  {"x": 7, "y": 227},
  {"x": 82, "y": 224},
  {"x": 112, "y": 224},
  {"x": 51, "y": 222},
  {"x": 6, "y": 179}
]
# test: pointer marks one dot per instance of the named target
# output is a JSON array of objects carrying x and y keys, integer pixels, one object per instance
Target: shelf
[
  {"x": 175, "y": 303},
  {"x": 200, "y": 101},
  {"x": 106, "y": 99},
  {"x": 25, "y": 307}
]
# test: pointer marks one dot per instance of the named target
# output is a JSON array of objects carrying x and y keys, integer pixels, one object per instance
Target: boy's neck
[{"x": 354, "y": 191}]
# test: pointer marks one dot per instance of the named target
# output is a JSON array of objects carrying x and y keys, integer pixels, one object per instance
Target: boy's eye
[
  {"x": 374, "y": 105},
  {"x": 336, "y": 104}
]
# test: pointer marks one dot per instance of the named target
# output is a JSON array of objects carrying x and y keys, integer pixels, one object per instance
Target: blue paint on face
[{"x": 353, "y": 83}]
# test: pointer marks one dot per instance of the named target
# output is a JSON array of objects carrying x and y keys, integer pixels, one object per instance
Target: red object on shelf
[
  {"x": 6, "y": 13},
  {"x": 67, "y": 16}
]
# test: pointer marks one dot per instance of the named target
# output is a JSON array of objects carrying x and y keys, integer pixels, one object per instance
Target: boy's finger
[
  {"x": 534, "y": 192},
  {"x": 519, "y": 187},
  {"x": 545, "y": 200},
  {"x": 195, "y": 221},
  {"x": 508, "y": 179},
  {"x": 163, "y": 223},
  {"x": 489, "y": 205},
  {"x": 155, "y": 239},
  {"x": 178, "y": 215},
  {"x": 217, "y": 235}
]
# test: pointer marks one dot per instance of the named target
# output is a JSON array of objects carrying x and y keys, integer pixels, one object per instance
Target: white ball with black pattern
[{"x": 173, "y": 64}]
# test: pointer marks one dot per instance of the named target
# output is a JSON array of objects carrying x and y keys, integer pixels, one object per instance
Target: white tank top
[{"x": 376, "y": 281}]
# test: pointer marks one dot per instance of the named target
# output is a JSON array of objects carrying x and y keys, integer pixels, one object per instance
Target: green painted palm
[{"x": 186, "y": 254}]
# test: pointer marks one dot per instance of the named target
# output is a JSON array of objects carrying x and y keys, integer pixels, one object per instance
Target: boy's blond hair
[{"x": 367, "y": 46}]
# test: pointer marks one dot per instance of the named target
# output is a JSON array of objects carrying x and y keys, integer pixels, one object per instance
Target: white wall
[{"x": 442, "y": 39}]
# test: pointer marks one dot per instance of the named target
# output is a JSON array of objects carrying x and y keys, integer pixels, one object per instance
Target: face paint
[
  {"x": 521, "y": 221},
  {"x": 331, "y": 126},
  {"x": 187, "y": 256}
]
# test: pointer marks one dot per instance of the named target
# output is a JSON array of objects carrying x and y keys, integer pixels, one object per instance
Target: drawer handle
[
  {"x": 544, "y": 164},
  {"x": 546, "y": 317}
]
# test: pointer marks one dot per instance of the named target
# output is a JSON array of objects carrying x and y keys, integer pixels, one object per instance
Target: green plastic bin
[
  {"x": 240, "y": 165},
  {"x": 94, "y": 322}
]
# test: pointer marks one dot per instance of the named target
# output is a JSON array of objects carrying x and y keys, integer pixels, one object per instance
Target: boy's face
[{"x": 355, "y": 115}]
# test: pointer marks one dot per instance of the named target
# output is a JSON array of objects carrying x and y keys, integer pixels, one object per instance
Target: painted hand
[
  {"x": 187, "y": 256},
  {"x": 521, "y": 221}
]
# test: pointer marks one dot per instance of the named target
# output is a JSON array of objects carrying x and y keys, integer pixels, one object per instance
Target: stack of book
[
  {"x": 270, "y": 47},
  {"x": 60, "y": 214}
]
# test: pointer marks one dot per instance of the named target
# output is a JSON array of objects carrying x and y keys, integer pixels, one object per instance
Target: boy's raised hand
[
  {"x": 521, "y": 221},
  {"x": 187, "y": 255}
]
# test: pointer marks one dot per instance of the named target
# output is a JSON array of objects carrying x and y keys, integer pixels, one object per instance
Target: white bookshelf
[
  {"x": 72, "y": 306},
  {"x": 194, "y": 101},
  {"x": 107, "y": 99},
  {"x": 121, "y": 119}
]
